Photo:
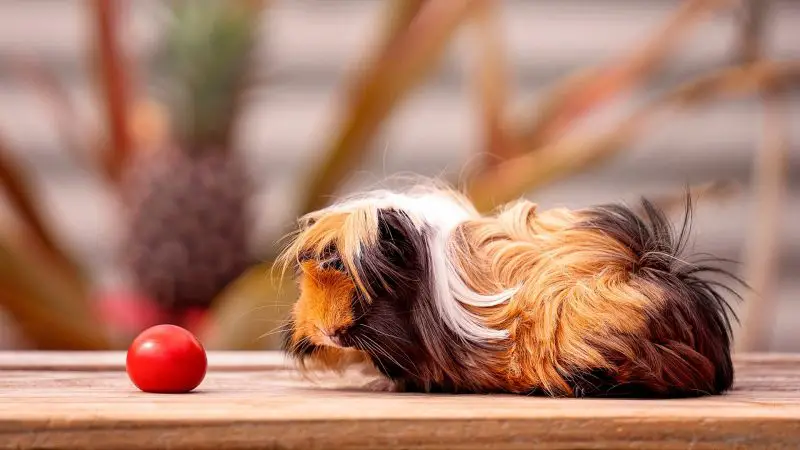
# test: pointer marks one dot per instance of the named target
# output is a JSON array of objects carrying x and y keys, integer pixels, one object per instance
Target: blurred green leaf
[
  {"x": 206, "y": 54},
  {"x": 249, "y": 313}
]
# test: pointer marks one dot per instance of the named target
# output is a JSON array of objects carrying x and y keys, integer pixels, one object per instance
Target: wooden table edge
[
  {"x": 115, "y": 360},
  {"x": 229, "y": 360},
  {"x": 510, "y": 433}
]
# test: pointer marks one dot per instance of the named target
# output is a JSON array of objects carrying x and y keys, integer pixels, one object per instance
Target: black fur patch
[
  {"x": 397, "y": 272},
  {"x": 301, "y": 349},
  {"x": 401, "y": 329}
]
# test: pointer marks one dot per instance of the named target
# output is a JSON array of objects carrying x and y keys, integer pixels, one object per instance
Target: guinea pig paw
[{"x": 382, "y": 385}]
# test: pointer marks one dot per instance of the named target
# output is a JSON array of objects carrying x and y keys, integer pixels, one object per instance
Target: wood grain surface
[{"x": 255, "y": 400}]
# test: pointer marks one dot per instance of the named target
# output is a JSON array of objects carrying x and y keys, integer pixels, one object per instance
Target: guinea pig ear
[{"x": 398, "y": 256}]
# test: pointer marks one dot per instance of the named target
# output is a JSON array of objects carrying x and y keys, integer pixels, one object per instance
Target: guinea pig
[{"x": 587, "y": 302}]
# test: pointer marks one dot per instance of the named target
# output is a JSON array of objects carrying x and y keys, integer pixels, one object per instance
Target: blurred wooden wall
[{"x": 309, "y": 44}]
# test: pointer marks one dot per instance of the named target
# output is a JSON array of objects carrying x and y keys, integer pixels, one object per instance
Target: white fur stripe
[
  {"x": 451, "y": 292},
  {"x": 437, "y": 213}
]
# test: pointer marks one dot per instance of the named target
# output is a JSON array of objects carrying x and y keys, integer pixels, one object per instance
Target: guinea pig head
[{"x": 359, "y": 272}]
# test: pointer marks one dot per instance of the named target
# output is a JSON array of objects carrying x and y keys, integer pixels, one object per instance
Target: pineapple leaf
[{"x": 206, "y": 55}]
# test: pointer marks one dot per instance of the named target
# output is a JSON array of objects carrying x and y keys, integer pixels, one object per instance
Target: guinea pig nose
[{"x": 337, "y": 335}]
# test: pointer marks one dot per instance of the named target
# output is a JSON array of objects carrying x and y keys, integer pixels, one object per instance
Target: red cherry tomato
[{"x": 166, "y": 359}]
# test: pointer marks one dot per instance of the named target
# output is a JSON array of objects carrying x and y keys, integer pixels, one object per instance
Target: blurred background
[{"x": 154, "y": 153}]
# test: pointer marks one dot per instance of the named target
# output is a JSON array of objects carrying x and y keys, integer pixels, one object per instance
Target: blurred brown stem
[
  {"x": 397, "y": 17},
  {"x": 492, "y": 78},
  {"x": 714, "y": 190},
  {"x": 769, "y": 183},
  {"x": 51, "y": 313},
  {"x": 751, "y": 36},
  {"x": 400, "y": 14},
  {"x": 763, "y": 246},
  {"x": 21, "y": 198},
  {"x": 113, "y": 75},
  {"x": 518, "y": 176},
  {"x": 586, "y": 90},
  {"x": 65, "y": 115},
  {"x": 403, "y": 64}
]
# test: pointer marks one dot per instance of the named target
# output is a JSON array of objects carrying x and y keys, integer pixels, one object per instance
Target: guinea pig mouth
[{"x": 336, "y": 338}]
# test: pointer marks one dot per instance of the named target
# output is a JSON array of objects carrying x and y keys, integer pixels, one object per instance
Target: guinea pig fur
[{"x": 587, "y": 302}]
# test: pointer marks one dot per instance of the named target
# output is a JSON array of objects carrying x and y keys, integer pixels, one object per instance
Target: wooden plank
[
  {"x": 115, "y": 361},
  {"x": 241, "y": 360},
  {"x": 247, "y": 402}
]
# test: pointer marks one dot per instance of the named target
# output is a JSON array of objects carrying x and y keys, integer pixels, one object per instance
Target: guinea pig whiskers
[
  {"x": 382, "y": 351},
  {"x": 385, "y": 333},
  {"x": 279, "y": 329},
  {"x": 368, "y": 347},
  {"x": 303, "y": 347},
  {"x": 374, "y": 346},
  {"x": 361, "y": 316}
]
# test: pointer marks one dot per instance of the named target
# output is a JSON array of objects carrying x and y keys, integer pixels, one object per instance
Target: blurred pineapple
[{"x": 188, "y": 196}]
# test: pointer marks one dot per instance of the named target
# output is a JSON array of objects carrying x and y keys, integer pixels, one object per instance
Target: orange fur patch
[
  {"x": 325, "y": 295},
  {"x": 324, "y": 304},
  {"x": 574, "y": 291}
]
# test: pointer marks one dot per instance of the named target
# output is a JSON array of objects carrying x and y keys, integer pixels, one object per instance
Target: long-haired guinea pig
[{"x": 588, "y": 302}]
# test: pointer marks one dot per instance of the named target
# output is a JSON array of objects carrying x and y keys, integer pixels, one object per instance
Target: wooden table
[{"x": 254, "y": 400}]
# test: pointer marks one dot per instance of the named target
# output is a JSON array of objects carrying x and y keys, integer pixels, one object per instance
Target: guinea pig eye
[
  {"x": 305, "y": 255},
  {"x": 332, "y": 263}
]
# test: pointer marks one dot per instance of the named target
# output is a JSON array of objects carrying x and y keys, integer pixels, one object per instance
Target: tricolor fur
[{"x": 585, "y": 302}]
